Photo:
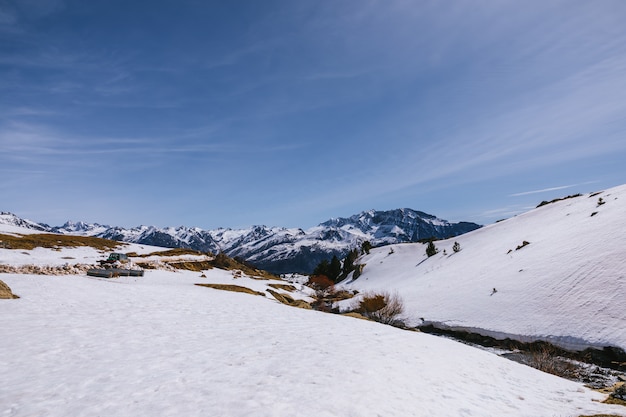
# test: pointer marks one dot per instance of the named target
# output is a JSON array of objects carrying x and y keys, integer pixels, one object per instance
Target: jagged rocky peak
[{"x": 367, "y": 219}]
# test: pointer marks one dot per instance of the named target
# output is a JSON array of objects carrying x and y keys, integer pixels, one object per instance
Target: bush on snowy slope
[{"x": 383, "y": 307}]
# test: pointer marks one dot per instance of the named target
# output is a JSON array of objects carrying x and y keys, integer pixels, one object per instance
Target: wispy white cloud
[{"x": 545, "y": 190}]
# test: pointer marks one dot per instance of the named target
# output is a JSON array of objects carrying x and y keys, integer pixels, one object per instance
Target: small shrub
[
  {"x": 545, "y": 357},
  {"x": 324, "y": 290},
  {"x": 320, "y": 282},
  {"x": 382, "y": 307}
]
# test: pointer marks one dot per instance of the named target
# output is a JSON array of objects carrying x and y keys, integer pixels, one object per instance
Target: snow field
[{"x": 158, "y": 345}]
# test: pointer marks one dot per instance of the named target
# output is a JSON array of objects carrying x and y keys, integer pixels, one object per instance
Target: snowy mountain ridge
[
  {"x": 280, "y": 249},
  {"x": 11, "y": 219}
]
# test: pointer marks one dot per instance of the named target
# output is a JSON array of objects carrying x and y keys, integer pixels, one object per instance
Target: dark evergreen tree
[
  {"x": 334, "y": 268},
  {"x": 431, "y": 249},
  {"x": 348, "y": 262},
  {"x": 366, "y": 246},
  {"x": 322, "y": 268}
]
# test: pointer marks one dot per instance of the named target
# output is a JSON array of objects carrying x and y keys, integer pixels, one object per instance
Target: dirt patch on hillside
[
  {"x": 195, "y": 266},
  {"x": 170, "y": 252},
  {"x": 284, "y": 287},
  {"x": 5, "y": 292},
  {"x": 234, "y": 288},
  {"x": 66, "y": 269},
  {"x": 53, "y": 241}
]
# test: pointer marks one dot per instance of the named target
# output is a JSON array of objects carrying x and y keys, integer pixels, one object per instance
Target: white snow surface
[
  {"x": 159, "y": 346},
  {"x": 567, "y": 286}
]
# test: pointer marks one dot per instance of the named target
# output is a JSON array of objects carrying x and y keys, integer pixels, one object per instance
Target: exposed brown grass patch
[
  {"x": 301, "y": 304},
  {"x": 602, "y": 415},
  {"x": 283, "y": 298},
  {"x": 146, "y": 265},
  {"x": 54, "y": 241},
  {"x": 355, "y": 315},
  {"x": 222, "y": 261},
  {"x": 288, "y": 300},
  {"x": 284, "y": 287},
  {"x": 613, "y": 400},
  {"x": 170, "y": 252},
  {"x": 341, "y": 295},
  {"x": 5, "y": 292},
  {"x": 195, "y": 266},
  {"x": 230, "y": 287}
]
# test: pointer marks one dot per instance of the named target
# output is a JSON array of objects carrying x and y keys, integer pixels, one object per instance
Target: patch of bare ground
[
  {"x": 223, "y": 261},
  {"x": 602, "y": 415},
  {"x": 355, "y": 315},
  {"x": 5, "y": 292},
  {"x": 54, "y": 241},
  {"x": 289, "y": 300},
  {"x": 170, "y": 252},
  {"x": 617, "y": 394},
  {"x": 220, "y": 261},
  {"x": 46, "y": 270},
  {"x": 284, "y": 287},
  {"x": 230, "y": 287},
  {"x": 596, "y": 368},
  {"x": 195, "y": 266}
]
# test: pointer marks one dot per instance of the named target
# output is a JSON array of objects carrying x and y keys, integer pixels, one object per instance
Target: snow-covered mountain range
[{"x": 278, "y": 249}]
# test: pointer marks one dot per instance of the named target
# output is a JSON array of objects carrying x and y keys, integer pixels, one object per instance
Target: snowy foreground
[
  {"x": 557, "y": 273},
  {"x": 159, "y": 346}
]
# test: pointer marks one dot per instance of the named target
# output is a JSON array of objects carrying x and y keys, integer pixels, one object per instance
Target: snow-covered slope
[
  {"x": 567, "y": 284},
  {"x": 160, "y": 346}
]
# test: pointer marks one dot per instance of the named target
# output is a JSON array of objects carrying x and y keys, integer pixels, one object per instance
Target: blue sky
[{"x": 287, "y": 113}]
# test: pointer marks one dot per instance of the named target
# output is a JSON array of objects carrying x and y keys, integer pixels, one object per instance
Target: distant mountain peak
[{"x": 11, "y": 219}]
